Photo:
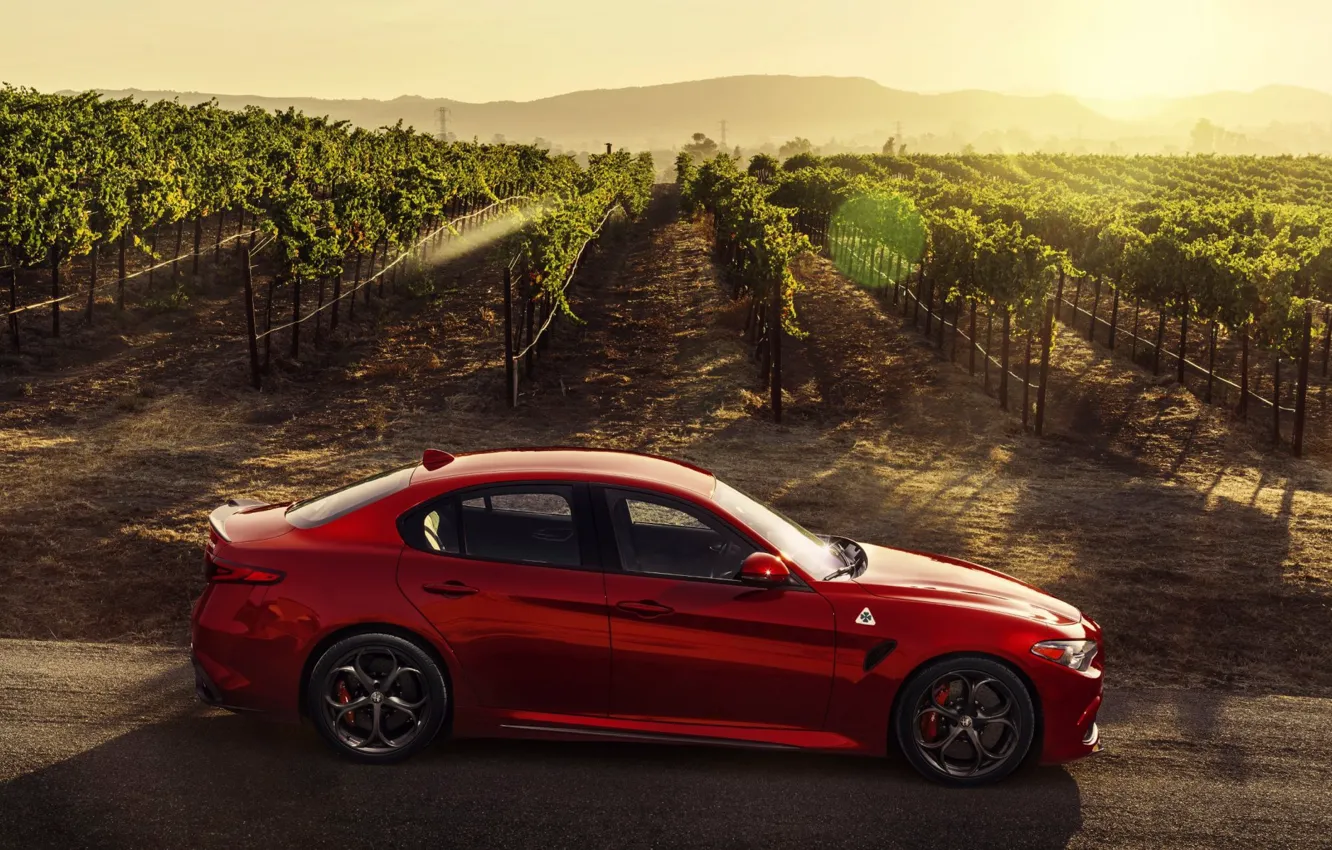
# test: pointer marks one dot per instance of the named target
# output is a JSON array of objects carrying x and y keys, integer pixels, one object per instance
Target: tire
[
  {"x": 397, "y": 694},
  {"x": 965, "y": 721}
]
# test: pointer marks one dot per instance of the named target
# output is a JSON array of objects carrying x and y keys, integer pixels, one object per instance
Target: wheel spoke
[
  {"x": 402, "y": 705},
  {"x": 938, "y": 709},
  {"x": 366, "y": 681},
  {"x": 943, "y": 745},
  {"x": 974, "y": 740},
  {"x": 341, "y": 708}
]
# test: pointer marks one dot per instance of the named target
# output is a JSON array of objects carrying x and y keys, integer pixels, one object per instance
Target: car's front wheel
[
  {"x": 966, "y": 720},
  {"x": 377, "y": 697}
]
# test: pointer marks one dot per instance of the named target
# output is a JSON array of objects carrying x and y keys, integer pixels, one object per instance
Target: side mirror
[{"x": 764, "y": 570}]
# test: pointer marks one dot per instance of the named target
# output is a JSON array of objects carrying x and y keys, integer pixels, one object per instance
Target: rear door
[
  {"x": 690, "y": 643},
  {"x": 511, "y": 577}
]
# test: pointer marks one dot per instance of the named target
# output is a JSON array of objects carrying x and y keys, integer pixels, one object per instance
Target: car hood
[{"x": 899, "y": 574}]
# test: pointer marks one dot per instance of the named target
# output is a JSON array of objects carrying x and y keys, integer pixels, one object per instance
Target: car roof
[{"x": 573, "y": 463}]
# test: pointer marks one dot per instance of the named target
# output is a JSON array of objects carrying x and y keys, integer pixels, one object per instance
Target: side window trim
[{"x": 589, "y": 553}]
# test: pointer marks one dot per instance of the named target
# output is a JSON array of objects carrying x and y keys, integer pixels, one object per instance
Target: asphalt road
[{"x": 104, "y": 746}]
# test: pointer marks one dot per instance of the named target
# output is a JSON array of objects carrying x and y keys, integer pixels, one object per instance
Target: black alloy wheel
[
  {"x": 965, "y": 721},
  {"x": 377, "y": 698}
]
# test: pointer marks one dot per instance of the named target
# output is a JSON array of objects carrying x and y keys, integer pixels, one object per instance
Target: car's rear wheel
[
  {"x": 967, "y": 720},
  {"x": 377, "y": 697}
]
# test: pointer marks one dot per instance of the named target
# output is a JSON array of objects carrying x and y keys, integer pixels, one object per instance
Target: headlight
[{"x": 1077, "y": 654}]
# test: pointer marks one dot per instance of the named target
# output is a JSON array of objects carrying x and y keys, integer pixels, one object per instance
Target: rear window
[{"x": 312, "y": 513}]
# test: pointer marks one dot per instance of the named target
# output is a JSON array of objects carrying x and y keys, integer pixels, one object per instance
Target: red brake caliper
[
  {"x": 344, "y": 697},
  {"x": 929, "y": 723}
]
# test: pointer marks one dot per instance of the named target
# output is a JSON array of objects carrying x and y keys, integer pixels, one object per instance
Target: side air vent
[{"x": 878, "y": 653}]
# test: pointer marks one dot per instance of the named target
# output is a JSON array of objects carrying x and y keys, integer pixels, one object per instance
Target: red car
[{"x": 578, "y": 594}]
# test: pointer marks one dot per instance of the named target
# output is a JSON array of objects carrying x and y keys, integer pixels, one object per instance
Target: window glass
[
  {"x": 661, "y": 537},
  {"x": 524, "y": 524},
  {"x": 330, "y": 506}
]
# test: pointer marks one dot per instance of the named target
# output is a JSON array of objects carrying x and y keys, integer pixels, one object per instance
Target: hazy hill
[{"x": 760, "y": 109}]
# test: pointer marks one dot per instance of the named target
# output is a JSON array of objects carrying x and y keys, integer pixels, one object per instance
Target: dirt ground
[{"x": 1207, "y": 557}]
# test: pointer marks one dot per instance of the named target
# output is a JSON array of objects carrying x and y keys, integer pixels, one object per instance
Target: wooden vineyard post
[
  {"x": 1026, "y": 382},
  {"x": 180, "y": 240},
  {"x": 1137, "y": 310},
  {"x": 255, "y": 379},
  {"x": 92, "y": 281},
  {"x": 1096, "y": 303},
  {"x": 957, "y": 326},
  {"x": 13, "y": 305},
  {"x": 775, "y": 344},
  {"x": 296, "y": 317},
  {"x": 920, "y": 283},
  {"x": 989, "y": 341},
  {"x": 217, "y": 241},
  {"x": 510, "y": 377},
  {"x": 1276, "y": 399},
  {"x": 943, "y": 313},
  {"x": 1114, "y": 315},
  {"x": 1003, "y": 360},
  {"x": 319, "y": 314},
  {"x": 55, "y": 291},
  {"x": 254, "y": 228},
  {"x": 1244, "y": 370},
  {"x": 1183, "y": 339},
  {"x": 929, "y": 308},
  {"x": 1327, "y": 339},
  {"x": 198, "y": 243},
  {"x": 120, "y": 286},
  {"x": 1302, "y": 385},
  {"x": 971, "y": 344},
  {"x": 1077, "y": 298},
  {"x": 337, "y": 299},
  {"x": 268, "y": 324},
  {"x": 529, "y": 311},
  {"x": 1047, "y": 343},
  {"x": 1211, "y": 363},
  {"x": 1160, "y": 339},
  {"x": 1059, "y": 293}
]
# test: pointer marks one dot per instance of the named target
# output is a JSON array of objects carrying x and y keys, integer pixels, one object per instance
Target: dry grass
[{"x": 1205, "y": 556}]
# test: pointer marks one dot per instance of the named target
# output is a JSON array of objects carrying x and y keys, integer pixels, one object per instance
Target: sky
[{"x": 485, "y": 50}]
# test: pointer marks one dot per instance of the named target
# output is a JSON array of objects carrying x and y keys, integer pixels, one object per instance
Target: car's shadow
[{"x": 229, "y": 782}]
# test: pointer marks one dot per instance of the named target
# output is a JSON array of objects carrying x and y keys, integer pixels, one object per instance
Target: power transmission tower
[
  {"x": 723, "y": 134},
  {"x": 443, "y": 123}
]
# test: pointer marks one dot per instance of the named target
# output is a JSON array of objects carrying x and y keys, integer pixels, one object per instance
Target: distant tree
[
  {"x": 1204, "y": 136},
  {"x": 737, "y": 155},
  {"x": 798, "y": 145},
  {"x": 498, "y": 139},
  {"x": 890, "y": 146},
  {"x": 801, "y": 160},
  {"x": 701, "y": 148}
]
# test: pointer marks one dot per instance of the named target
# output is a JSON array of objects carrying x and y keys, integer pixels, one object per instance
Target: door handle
[
  {"x": 647, "y": 609},
  {"x": 449, "y": 588}
]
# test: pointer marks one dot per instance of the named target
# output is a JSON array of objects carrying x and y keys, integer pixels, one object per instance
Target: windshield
[
  {"x": 815, "y": 555},
  {"x": 328, "y": 507}
]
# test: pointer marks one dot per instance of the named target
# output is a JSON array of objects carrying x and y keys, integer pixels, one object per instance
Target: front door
[
  {"x": 511, "y": 578},
  {"x": 690, "y": 643}
]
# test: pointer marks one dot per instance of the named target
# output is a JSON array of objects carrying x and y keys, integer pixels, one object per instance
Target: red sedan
[{"x": 578, "y": 594}]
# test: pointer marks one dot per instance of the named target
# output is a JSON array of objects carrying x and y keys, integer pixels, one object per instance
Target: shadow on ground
[{"x": 219, "y": 781}]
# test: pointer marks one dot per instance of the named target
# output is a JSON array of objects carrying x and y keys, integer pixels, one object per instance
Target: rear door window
[{"x": 532, "y": 524}]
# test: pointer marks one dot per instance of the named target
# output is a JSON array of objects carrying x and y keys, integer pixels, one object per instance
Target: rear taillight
[{"x": 226, "y": 572}]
